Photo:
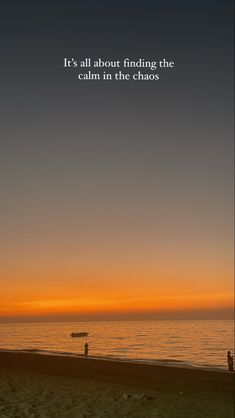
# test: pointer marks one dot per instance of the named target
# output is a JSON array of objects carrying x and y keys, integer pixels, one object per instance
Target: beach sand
[{"x": 42, "y": 386}]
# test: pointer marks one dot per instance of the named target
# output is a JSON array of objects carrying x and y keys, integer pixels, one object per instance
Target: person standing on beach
[
  {"x": 86, "y": 349},
  {"x": 230, "y": 361}
]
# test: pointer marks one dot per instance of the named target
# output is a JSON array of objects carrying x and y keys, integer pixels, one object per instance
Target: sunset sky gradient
[{"x": 116, "y": 198}]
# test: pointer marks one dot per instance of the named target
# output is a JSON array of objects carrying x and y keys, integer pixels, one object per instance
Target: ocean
[{"x": 184, "y": 343}]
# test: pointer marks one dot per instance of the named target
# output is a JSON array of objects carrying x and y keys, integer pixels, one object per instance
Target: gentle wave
[{"x": 156, "y": 362}]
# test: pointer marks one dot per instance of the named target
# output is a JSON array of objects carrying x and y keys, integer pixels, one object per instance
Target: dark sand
[{"x": 42, "y": 386}]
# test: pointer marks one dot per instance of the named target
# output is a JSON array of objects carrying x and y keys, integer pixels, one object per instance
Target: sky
[{"x": 116, "y": 197}]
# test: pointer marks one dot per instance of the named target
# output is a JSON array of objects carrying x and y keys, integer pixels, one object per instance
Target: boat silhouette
[{"x": 79, "y": 334}]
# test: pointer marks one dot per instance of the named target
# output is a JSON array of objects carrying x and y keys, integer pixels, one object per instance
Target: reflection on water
[{"x": 197, "y": 342}]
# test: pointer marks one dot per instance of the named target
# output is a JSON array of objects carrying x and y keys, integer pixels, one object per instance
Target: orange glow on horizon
[
  {"x": 144, "y": 285},
  {"x": 114, "y": 305}
]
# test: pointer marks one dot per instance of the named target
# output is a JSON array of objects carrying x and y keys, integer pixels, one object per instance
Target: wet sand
[{"x": 39, "y": 386}]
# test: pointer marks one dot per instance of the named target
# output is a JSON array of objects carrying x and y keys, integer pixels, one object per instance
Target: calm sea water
[{"x": 186, "y": 343}]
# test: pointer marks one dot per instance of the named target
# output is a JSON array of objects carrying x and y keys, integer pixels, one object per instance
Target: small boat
[{"x": 79, "y": 334}]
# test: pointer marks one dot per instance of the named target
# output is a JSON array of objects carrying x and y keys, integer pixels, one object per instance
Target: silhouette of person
[
  {"x": 86, "y": 349},
  {"x": 230, "y": 361}
]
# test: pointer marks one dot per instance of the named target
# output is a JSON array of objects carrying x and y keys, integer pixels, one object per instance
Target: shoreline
[
  {"x": 155, "y": 362},
  {"x": 135, "y": 374}
]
